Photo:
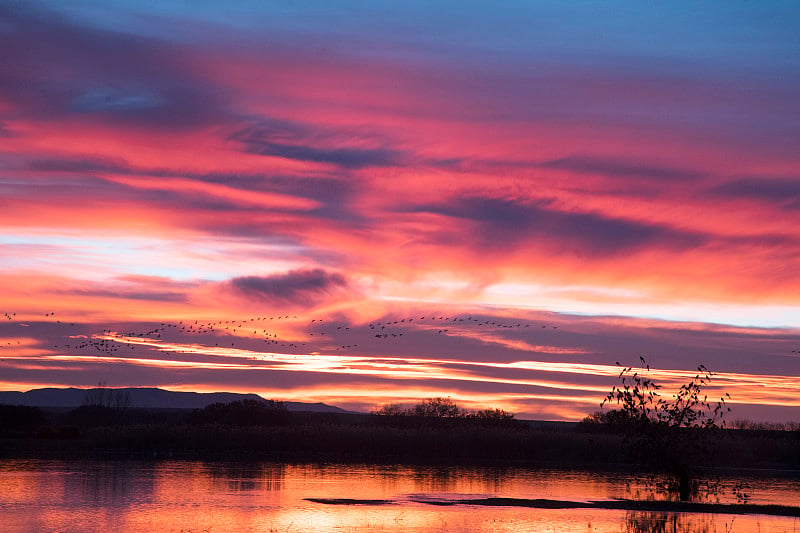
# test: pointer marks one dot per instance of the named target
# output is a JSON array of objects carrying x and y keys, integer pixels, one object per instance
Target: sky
[{"x": 366, "y": 202}]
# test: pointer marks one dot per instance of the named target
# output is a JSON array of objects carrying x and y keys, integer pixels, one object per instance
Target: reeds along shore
[{"x": 354, "y": 438}]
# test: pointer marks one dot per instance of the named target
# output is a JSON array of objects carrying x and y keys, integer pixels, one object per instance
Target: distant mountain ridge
[{"x": 149, "y": 398}]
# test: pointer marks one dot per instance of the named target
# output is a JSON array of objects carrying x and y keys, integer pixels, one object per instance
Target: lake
[{"x": 186, "y": 496}]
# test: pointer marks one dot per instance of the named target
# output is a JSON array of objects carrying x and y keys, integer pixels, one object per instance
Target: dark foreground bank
[{"x": 282, "y": 436}]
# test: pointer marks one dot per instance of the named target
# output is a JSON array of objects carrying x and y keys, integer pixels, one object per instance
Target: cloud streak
[
  {"x": 505, "y": 222},
  {"x": 300, "y": 142}
]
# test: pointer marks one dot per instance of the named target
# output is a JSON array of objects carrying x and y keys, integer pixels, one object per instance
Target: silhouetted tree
[
  {"x": 246, "y": 412},
  {"x": 493, "y": 418},
  {"x": 437, "y": 408},
  {"x": 442, "y": 412},
  {"x": 671, "y": 434},
  {"x": 101, "y": 395},
  {"x": 491, "y": 414},
  {"x": 101, "y": 406},
  {"x": 390, "y": 409},
  {"x": 613, "y": 419}
]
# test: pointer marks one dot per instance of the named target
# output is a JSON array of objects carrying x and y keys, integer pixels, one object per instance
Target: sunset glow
[{"x": 370, "y": 202}]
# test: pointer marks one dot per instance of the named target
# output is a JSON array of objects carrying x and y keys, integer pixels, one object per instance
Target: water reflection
[
  {"x": 640, "y": 522},
  {"x": 458, "y": 480},
  {"x": 196, "y": 496},
  {"x": 103, "y": 483},
  {"x": 246, "y": 477}
]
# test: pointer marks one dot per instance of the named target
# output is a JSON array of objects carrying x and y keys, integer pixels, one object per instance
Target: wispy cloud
[
  {"x": 501, "y": 223},
  {"x": 779, "y": 191},
  {"x": 620, "y": 168},
  {"x": 296, "y": 141}
]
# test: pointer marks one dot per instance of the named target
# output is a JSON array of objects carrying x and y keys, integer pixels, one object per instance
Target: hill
[{"x": 150, "y": 398}]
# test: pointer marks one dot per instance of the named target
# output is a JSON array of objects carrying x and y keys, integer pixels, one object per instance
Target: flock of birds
[
  {"x": 319, "y": 334},
  {"x": 441, "y": 331}
]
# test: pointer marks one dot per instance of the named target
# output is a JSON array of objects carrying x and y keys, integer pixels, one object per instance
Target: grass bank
[{"x": 328, "y": 437}]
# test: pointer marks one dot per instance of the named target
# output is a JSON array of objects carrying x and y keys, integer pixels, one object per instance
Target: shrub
[
  {"x": 105, "y": 397},
  {"x": 92, "y": 416},
  {"x": 20, "y": 418},
  {"x": 671, "y": 434},
  {"x": 390, "y": 409},
  {"x": 437, "y": 408},
  {"x": 243, "y": 413}
]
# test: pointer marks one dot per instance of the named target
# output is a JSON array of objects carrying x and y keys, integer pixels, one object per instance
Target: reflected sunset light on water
[{"x": 188, "y": 496}]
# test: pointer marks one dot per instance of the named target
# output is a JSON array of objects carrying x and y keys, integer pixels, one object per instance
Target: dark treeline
[
  {"x": 264, "y": 430},
  {"x": 443, "y": 412}
]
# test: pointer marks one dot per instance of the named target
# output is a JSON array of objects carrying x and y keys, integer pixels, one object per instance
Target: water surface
[{"x": 189, "y": 496}]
